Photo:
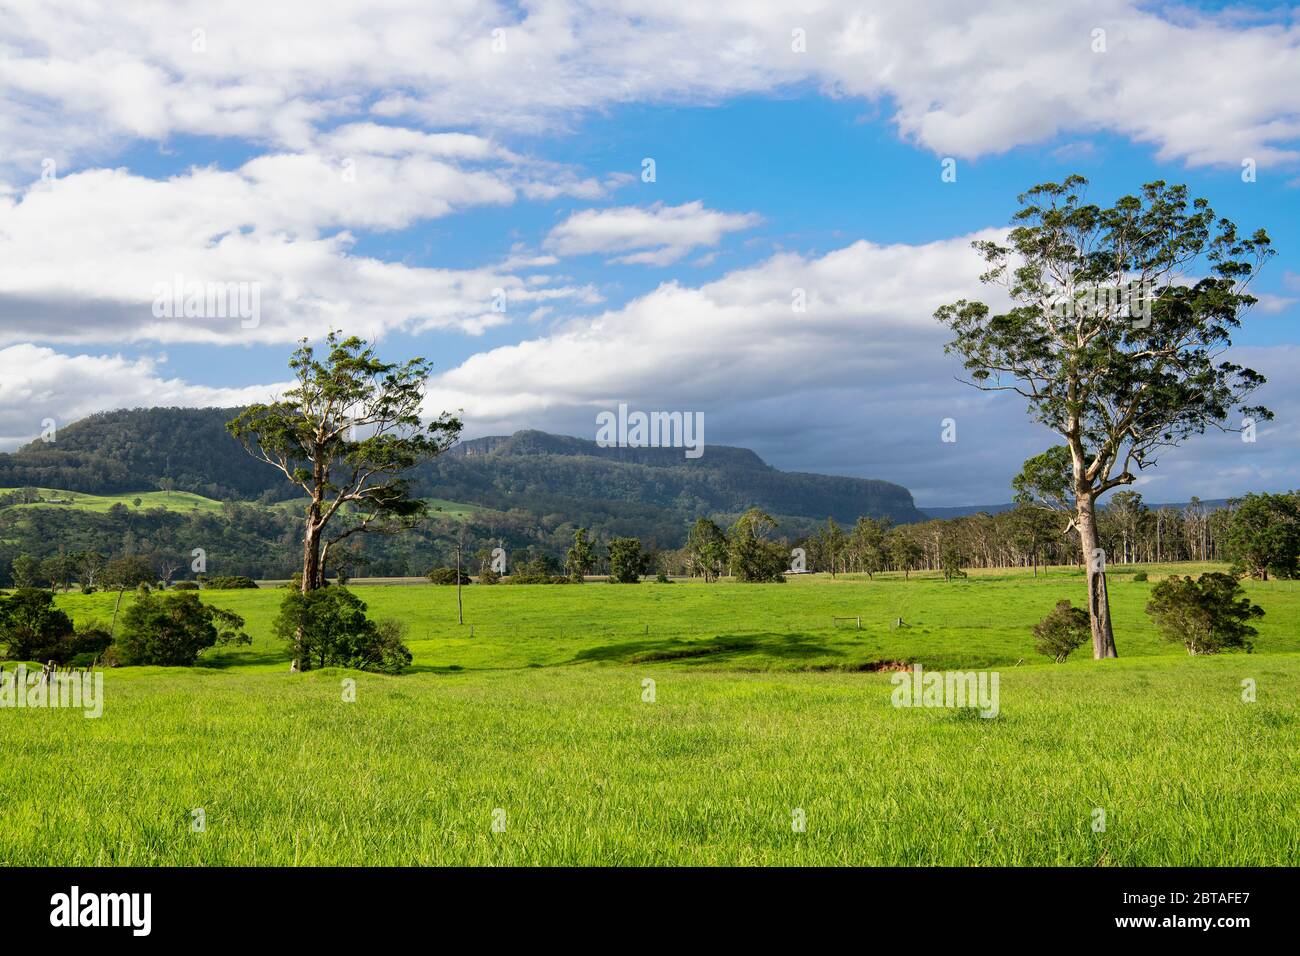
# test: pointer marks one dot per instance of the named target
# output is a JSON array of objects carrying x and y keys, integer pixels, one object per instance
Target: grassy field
[
  {"x": 186, "y": 501},
  {"x": 762, "y": 708},
  {"x": 167, "y": 500}
]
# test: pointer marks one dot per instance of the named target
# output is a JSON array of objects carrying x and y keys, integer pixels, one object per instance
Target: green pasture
[{"x": 765, "y": 711}]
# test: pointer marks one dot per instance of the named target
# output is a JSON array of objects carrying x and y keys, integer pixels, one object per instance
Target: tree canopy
[{"x": 1114, "y": 333}]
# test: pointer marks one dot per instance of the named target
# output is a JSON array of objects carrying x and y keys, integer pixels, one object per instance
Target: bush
[
  {"x": 448, "y": 576},
  {"x": 185, "y": 586},
  {"x": 173, "y": 629},
  {"x": 537, "y": 571},
  {"x": 328, "y": 627},
  {"x": 1062, "y": 631},
  {"x": 1206, "y": 616},
  {"x": 233, "y": 582},
  {"x": 1140, "y": 576},
  {"x": 86, "y": 645},
  {"x": 31, "y": 627},
  {"x": 389, "y": 653}
]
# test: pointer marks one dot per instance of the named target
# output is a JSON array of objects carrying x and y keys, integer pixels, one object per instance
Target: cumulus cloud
[
  {"x": 378, "y": 116},
  {"x": 83, "y": 257},
  {"x": 39, "y": 384},
  {"x": 856, "y": 384},
  {"x": 787, "y": 323},
  {"x": 962, "y": 80},
  {"x": 657, "y": 235}
]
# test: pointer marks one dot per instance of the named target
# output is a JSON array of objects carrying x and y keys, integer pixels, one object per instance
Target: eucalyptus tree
[
  {"x": 346, "y": 433},
  {"x": 706, "y": 549},
  {"x": 580, "y": 560},
  {"x": 1114, "y": 335}
]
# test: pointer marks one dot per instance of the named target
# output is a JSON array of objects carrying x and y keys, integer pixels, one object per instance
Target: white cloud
[
  {"x": 658, "y": 235},
  {"x": 39, "y": 383},
  {"x": 858, "y": 384},
  {"x": 868, "y": 311},
  {"x": 963, "y": 80},
  {"x": 81, "y": 257}
]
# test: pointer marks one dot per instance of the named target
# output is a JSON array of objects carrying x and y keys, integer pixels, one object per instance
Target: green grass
[
  {"x": 758, "y": 711},
  {"x": 167, "y": 500},
  {"x": 186, "y": 501}
]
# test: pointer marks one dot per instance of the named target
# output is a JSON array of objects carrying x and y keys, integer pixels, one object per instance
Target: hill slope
[{"x": 132, "y": 450}]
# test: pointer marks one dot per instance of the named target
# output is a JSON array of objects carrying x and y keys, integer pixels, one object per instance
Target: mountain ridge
[{"x": 130, "y": 449}]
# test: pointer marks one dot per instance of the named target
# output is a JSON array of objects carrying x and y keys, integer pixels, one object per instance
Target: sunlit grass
[
  {"x": 168, "y": 500},
  {"x": 541, "y": 715}
]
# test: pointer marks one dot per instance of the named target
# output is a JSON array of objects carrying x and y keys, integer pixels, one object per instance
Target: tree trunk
[
  {"x": 311, "y": 564},
  {"x": 311, "y": 578},
  {"x": 1103, "y": 637},
  {"x": 112, "y": 631}
]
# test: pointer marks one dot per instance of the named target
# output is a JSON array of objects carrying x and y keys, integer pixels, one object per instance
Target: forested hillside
[
  {"x": 135, "y": 449},
  {"x": 527, "y": 492},
  {"x": 139, "y": 449}
]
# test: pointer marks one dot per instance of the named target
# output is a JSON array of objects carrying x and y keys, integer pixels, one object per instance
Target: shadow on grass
[
  {"x": 786, "y": 647},
  {"x": 242, "y": 658}
]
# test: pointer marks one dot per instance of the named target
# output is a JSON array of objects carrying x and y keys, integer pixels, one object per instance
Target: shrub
[
  {"x": 537, "y": 571},
  {"x": 1205, "y": 616},
  {"x": 31, "y": 627},
  {"x": 232, "y": 582},
  {"x": 389, "y": 653},
  {"x": 86, "y": 645},
  {"x": 185, "y": 586},
  {"x": 1065, "y": 629},
  {"x": 172, "y": 629},
  {"x": 328, "y": 627},
  {"x": 1140, "y": 576},
  {"x": 448, "y": 576}
]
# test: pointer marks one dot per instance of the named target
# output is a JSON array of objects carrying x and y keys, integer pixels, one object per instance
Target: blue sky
[
  {"x": 820, "y": 172},
  {"x": 773, "y": 170}
]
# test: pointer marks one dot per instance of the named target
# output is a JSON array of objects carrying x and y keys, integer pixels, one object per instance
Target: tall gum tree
[
  {"x": 346, "y": 433},
  {"x": 1115, "y": 334}
]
